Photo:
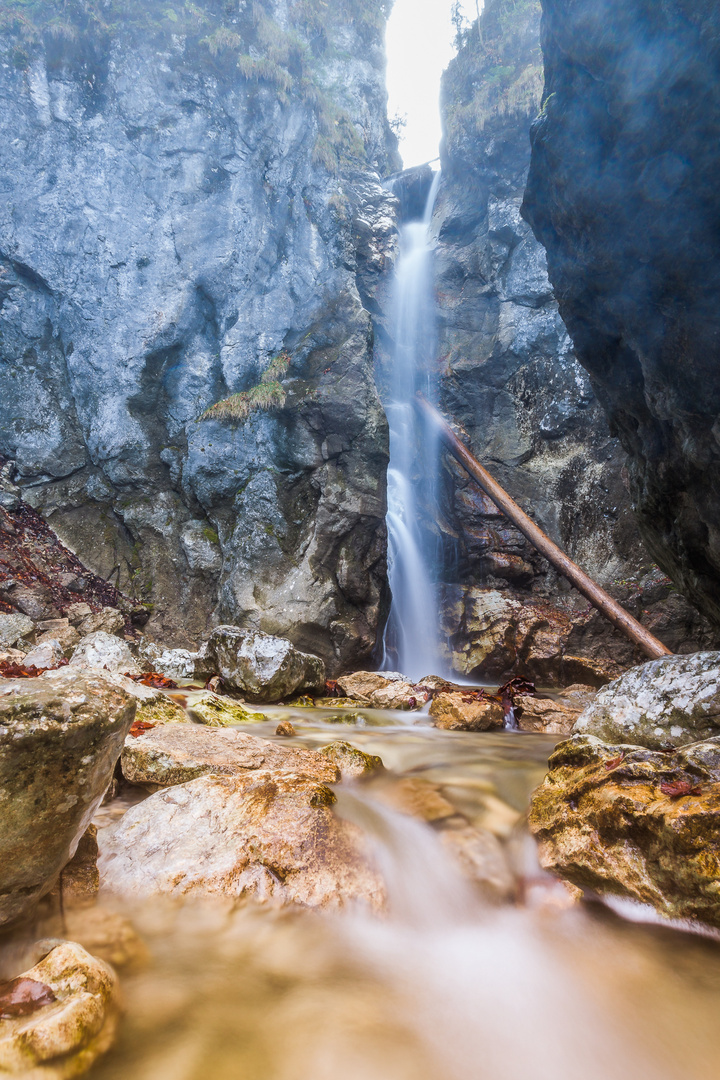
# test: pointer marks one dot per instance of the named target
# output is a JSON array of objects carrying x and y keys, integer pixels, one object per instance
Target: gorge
[{"x": 307, "y": 754}]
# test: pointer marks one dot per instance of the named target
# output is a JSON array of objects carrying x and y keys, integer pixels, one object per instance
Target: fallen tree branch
[{"x": 610, "y": 608}]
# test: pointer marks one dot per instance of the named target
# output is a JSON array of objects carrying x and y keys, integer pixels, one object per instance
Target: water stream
[
  {"x": 445, "y": 986},
  {"x": 411, "y": 640}
]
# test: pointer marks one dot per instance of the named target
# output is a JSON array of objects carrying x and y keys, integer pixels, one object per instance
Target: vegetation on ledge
[{"x": 268, "y": 394}]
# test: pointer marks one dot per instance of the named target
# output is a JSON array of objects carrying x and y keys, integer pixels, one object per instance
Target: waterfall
[{"x": 411, "y": 640}]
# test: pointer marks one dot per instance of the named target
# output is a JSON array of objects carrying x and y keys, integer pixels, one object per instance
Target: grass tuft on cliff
[{"x": 268, "y": 394}]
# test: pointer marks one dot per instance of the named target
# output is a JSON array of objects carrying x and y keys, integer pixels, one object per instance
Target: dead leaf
[
  {"x": 21, "y": 997},
  {"x": 139, "y": 727},
  {"x": 614, "y": 762},
  {"x": 675, "y": 789}
]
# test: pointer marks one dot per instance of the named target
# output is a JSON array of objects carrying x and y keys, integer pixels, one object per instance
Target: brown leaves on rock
[
  {"x": 139, "y": 728},
  {"x": 332, "y": 689},
  {"x": 675, "y": 789},
  {"x": 613, "y": 763},
  {"x": 154, "y": 680},
  {"x": 21, "y": 997},
  {"x": 10, "y": 670}
]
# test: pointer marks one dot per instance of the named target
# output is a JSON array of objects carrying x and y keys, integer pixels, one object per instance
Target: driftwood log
[{"x": 615, "y": 612}]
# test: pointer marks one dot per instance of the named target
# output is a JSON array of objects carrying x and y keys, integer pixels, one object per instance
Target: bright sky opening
[{"x": 420, "y": 44}]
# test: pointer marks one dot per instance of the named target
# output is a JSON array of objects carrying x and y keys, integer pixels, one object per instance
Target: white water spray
[{"x": 411, "y": 641}]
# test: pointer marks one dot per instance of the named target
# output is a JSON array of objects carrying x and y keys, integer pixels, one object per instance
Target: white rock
[{"x": 102, "y": 650}]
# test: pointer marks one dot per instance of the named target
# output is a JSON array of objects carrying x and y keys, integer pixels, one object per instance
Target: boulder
[
  {"x": 78, "y": 612},
  {"x": 47, "y": 654},
  {"x": 103, "y": 650},
  {"x": 633, "y": 822},
  {"x": 175, "y": 663},
  {"x": 217, "y": 711},
  {"x": 62, "y": 632},
  {"x": 60, "y": 737},
  {"x": 362, "y": 684},
  {"x": 174, "y": 755},
  {"x": 481, "y": 858},
  {"x": 459, "y": 712},
  {"x": 64, "y": 1037},
  {"x": 263, "y": 667},
  {"x": 351, "y": 762},
  {"x": 269, "y": 835},
  {"x": 108, "y": 620},
  {"x": 551, "y": 717},
  {"x": 399, "y": 695},
  {"x": 669, "y": 702},
  {"x": 14, "y": 628}
]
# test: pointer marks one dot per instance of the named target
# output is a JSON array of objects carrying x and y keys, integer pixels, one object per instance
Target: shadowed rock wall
[{"x": 623, "y": 193}]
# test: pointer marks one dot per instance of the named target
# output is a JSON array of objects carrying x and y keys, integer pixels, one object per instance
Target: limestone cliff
[
  {"x": 182, "y": 192},
  {"x": 511, "y": 379},
  {"x": 623, "y": 194}
]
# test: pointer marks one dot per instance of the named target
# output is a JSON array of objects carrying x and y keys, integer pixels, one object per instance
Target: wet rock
[
  {"x": 339, "y": 703},
  {"x": 217, "y": 711},
  {"x": 269, "y": 835},
  {"x": 61, "y": 631},
  {"x": 263, "y": 667},
  {"x": 285, "y": 729},
  {"x": 454, "y": 712},
  {"x": 158, "y": 708},
  {"x": 60, "y": 737},
  {"x": 399, "y": 695},
  {"x": 175, "y": 663},
  {"x": 418, "y": 798},
  {"x": 108, "y": 619},
  {"x": 351, "y": 762},
  {"x": 673, "y": 701},
  {"x": 80, "y": 880},
  {"x": 62, "y": 1039},
  {"x": 578, "y": 695},
  {"x": 106, "y": 934},
  {"x": 103, "y": 650},
  {"x": 545, "y": 715},
  {"x": 15, "y": 628},
  {"x": 47, "y": 654},
  {"x": 481, "y": 858},
  {"x": 362, "y": 684},
  {"x": 174, "y": 755},
  {"x": 633, "y": 822}
]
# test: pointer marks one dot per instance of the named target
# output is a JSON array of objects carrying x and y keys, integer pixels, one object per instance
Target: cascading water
[{"x": 411, "y": 641}]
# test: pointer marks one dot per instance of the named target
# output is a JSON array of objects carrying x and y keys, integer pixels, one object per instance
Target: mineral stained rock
[
  {"x": 632, "y": 822},
  {"x": 63, "y": 1038},
  {"x": 453, "y": 713},
  {"x": 263, "y": 667},
  {"x": 351, "y": 762},
  {"x": 269, "y": 835},
  {"x": 59, "y": 740},
  {"x": 623, "y": 194},
  {"x": 669, "y": 702},
  {"x": 174, "y": 755},
  {"x": 219, "y": 711}
]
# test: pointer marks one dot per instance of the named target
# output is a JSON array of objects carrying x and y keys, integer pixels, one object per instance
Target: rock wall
[
  {"x": 512, "y": 382},
  {"x": 182, "y": 206},
  {"x": 623, "y": 194}
]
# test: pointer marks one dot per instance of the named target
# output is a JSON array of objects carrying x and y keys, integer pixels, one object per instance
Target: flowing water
[
  {"x": 411, "y": 636},
  {"x": 445, "y": 986}
]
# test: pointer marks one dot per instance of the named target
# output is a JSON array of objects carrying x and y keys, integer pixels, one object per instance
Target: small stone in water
[
  {"x": 20, "y": 997},
  {"x": 285, "y": 728}
]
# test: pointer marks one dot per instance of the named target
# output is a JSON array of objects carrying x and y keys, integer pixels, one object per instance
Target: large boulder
[
  {"x": 669, "y": 702},
  {"x": 103, "y": 650},
  {"x": 635, "y": 823},
  {"x": 264, "y": 834},
  {"x": 175, "y": 754},
  {"x": 263, "y": 667},
  {"x": 74, "y": 1024},
  {"x": 60, "y": 737},
  {"x": 462, "y": 712}
]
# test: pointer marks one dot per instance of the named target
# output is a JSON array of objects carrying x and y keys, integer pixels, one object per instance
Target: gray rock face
[
  {"x": 101, "y": 650},
  {"x": 623, "y": 194},
  {"x": 674, "y": 701},
  {"x": 263, "y": 667},
  {"x": 13, "y": 628},
  {"x": 59, "y": 740},
  {"x": 510, "y": 378},
  {"x": 175, "y": 224}
]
